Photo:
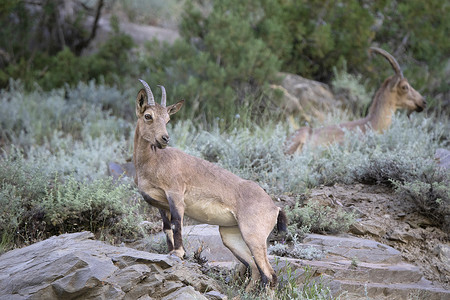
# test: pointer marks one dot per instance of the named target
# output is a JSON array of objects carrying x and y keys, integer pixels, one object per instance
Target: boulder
[
  {"x": 75, "y": 265},
  {"x": 304, "y": 97}
]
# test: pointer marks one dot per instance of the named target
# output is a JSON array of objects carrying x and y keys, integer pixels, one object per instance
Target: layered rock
[{"x": 75, "y": 266}]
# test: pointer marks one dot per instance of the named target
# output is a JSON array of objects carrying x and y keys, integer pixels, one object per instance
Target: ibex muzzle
[{"x": 180, "y": 184}]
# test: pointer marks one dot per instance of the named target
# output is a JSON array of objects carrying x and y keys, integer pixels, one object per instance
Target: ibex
[
  {"x": 395, "y": 93},
  {"x": 180, "y": 184}
]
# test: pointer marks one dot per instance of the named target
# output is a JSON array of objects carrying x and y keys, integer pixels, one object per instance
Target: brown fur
[
  {"x": 395, "y": 93},
  {"x": 180, "y": 184}
]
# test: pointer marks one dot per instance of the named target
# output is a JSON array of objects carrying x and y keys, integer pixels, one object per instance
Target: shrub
[
  {"x": 312, "y": 37},
  {"x": 31, "y": 119},
  {"x": 100, "y": 206},
  {"x": 351, "y": 90},
  {"x": 430, "y": 193},
  {"x": 218, "y": 64},
  {"x": 318, "y": 218},
  {"x": 36, "y": 205},
  {"x": 297, "y": 251}
]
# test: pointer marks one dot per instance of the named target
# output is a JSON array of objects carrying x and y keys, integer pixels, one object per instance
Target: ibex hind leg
[
  {"x": 255, "y": 231},
  {"x": 232, "y": 239}
]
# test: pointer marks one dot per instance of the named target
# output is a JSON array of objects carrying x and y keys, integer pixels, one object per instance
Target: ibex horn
[
  {"x": 163, "y": 96},
  {"x": 391, "y": 60},
  {"x": 151, "y": 99}
]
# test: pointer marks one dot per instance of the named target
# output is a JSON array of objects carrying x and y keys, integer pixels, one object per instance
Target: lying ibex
[
  {"x": 395, "y": 93},
  {"x": 179, "y": 184}
]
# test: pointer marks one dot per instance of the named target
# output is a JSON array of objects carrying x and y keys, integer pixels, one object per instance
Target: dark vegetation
[{"x": 66, "y": 112}]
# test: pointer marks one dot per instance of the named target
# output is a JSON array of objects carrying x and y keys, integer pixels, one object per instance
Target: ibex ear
[
  {"x": 174, "y": 107},
  {"x": 393, "y": 84},
  {"x": 141, "y": 101}
]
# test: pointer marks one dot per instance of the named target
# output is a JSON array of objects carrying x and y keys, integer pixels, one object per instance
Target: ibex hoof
[{"x": 177, "y": 253}]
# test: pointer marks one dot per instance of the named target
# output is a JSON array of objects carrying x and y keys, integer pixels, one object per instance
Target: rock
[
  {"x": 213, "y": 295},
  {"x": 443, "y": 252},
  {"x": 350, "y": 248},
  {"x": 402, "y": 235},
  {"x": 304, "y": 97},
  {"x": 119, "y": 171},
  {"x": 76, "y": 266},
  {"x": 185, "y": 293},
  {"x": 140, "y": 33},
  {"x": 367, "y": 227}
]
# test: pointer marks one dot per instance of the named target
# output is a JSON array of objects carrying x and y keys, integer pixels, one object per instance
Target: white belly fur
[{"x": 210, "y": 211}]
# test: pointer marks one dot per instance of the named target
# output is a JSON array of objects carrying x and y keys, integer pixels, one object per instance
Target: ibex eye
[{"x": 148, "y": 117}]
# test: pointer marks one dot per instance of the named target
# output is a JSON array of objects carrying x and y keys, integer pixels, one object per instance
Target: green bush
[
  {"x": 31, "y": 119},
  {"x": 317, "y": 218},
  {"x": 430, "y": 193},
  {"x": 50, "y": 56},
  {"x": 35, "y": 205},
  {"x": 218, "y": 65},
  {"x": 312, "y": 37}
]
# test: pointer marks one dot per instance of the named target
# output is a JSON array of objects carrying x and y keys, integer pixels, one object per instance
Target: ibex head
[
  {"x": 403, "y": 94},
  {"x": 153, "y": 117}
]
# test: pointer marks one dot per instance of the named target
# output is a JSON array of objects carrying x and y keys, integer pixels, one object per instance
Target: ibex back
[
  {"x": 395, "y": 93},
  {"x": 180, "y": 184}
]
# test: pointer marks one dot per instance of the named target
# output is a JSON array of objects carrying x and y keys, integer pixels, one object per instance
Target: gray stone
[
  {"x": 367, "y": 227},
  {"x": 214, "y": 295},
  {"x": 185, "y": 293},
  {"x": 350, "y": 248},
  {"x": 304, "y": 97},
  {"x": 73, "y": 266}
]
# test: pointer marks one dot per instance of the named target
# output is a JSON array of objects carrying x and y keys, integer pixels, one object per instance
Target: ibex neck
[
  {"x": 142, "y": 149},
  {"x": 381, "y": 110}
]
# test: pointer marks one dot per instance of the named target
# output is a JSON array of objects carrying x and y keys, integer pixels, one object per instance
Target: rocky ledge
[{"x": 75, "y": 266}]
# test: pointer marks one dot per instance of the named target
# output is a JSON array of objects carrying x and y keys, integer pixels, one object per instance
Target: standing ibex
[
  {"x": 395, "y": 93},
  {"x": 179, "y": 184}
]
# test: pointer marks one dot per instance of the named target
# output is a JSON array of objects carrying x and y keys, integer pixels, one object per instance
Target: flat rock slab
[
  {"x": 77, "y": 266},
  {"x": 362, "y": 250},
  {"x": 354, "y": 267}
]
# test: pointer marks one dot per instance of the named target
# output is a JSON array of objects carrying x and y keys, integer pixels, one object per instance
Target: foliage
[
  {"x": 430, "y": 193},
  {"x": 216, "y": 75},
  {"x": 230, "y": 50},
  {"x": 351, "y": 90},
  {"x": 163, "y": 13},
  {"x": 421, "y": 29},
  {"x": 318, "y": 218},
  {"x": 50, "y": 56},
  {"x": 31, "y": 119},
  {"x": 297, "y": 251},
  {"x": 312, "y": 37},
  {"x": 37, "y": 205},
  {"x": 289, "y": 286}
]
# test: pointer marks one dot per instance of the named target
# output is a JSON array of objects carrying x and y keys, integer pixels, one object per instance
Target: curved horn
[
  {"x": 151, "y": 99},
  {"x": 390, "y": 58},
  {"x": 163, "y": 96}
]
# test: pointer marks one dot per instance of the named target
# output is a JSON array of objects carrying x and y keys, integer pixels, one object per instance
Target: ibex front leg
[
  {"x": 176, "y": 205},
  {"x": 167, "y": 228}
]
